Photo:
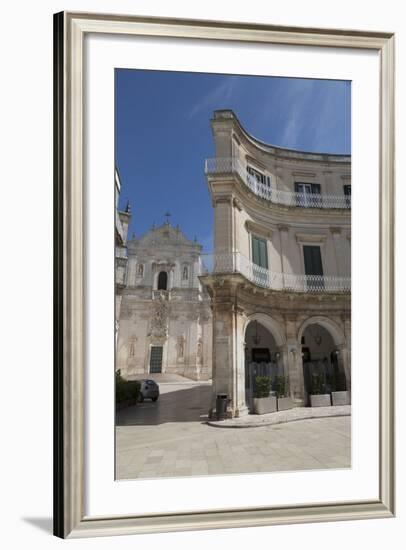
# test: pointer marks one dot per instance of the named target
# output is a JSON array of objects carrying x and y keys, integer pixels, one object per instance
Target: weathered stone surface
[
  {"x": 265, "y": 405},
  {"x": 285, "y": 403},
  {"x": 341, "y": 398},
  {"x": 322, "y": 400}
]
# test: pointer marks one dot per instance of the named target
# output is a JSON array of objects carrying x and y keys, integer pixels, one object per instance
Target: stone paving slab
[
  {"x": 171, "y": 438},
  {"x": 171, "y": 450},
  {"x": 291, "y": 415}
]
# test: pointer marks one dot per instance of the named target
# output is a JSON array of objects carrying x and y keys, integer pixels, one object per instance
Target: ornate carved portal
[{"x": 159, "y": 321}]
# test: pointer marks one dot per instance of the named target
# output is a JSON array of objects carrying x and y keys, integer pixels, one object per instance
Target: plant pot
[
  {"x": 264, "y": 405},
  {"x": 341, "y": 398},
  {"x": 285, "y": 403},
  {"x": 322, "y": 400}
]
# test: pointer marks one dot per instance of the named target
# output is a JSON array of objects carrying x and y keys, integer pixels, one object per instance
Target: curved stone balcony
[
  {"x": 235, "y": 262},
  {"x": 233, "y": 166}
]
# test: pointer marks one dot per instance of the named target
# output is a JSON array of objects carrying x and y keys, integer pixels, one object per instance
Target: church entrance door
[{"x": 155, "y": 362}]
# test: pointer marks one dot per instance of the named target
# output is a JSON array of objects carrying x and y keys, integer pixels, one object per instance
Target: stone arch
[
  {"x": 331, "y": 326},
  {"x": 270, "y": 324},
  {"x": 328, "y": 369}
]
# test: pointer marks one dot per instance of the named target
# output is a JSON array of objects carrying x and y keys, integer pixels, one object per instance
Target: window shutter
[
  {"x": 259, "y": 252},
  {"x": 312, "y": 259},
  {"x": 263, "y": 254},
  {"x": 255, "y": 251}
]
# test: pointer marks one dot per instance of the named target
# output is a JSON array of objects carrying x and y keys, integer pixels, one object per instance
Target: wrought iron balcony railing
[
  {"x": 235, "y": 262},
  {"x": 225, "y": 166}
]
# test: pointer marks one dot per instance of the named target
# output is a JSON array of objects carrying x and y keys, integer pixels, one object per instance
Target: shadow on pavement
[{"x": 185, "y": 405}]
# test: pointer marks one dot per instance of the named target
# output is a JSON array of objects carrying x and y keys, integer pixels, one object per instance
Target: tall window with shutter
[
  {"x": 260, "y": 260},
  {"x": 313, "y": 267},
  {"x": 347, "y": 193}
]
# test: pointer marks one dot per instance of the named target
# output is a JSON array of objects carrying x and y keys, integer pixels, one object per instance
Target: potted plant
[
  {"x": 340, "y": 395},
  {"x": 282, "y": 393},
  {"x": 263, "y": 402},
  {"x": 317, "y": 397}
]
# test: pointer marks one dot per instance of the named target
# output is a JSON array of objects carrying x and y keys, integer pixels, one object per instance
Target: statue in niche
[
  {"x": 131, "y": 346},
  {"x": 140, "y": 270},
  {"x": 200, "y": 347},
  {"x": 181, "y": 346},
  {"x": 185, "y": 273}
]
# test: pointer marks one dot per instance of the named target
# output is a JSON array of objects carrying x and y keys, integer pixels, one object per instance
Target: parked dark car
[{"x": 149, "y": 390}]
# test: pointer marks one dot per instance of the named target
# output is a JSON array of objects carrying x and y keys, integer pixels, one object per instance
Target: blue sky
[{"x": 163, "y": 135}]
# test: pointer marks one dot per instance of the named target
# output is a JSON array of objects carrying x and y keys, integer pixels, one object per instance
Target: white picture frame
[{"x": 71, "y": 518}]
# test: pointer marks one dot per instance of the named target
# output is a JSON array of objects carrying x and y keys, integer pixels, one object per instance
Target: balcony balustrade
[
  {"x": 161, "y": 294},
  {"x": 235, "y": 262},
  {"x": 226, "y": 166}
]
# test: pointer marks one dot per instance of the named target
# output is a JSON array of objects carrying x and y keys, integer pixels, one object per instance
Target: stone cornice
[
  {"x": 226, "y": 121},
  {"x": 255, "y": 162},
  {"x": 303, "y": 238},
  {"x": 225, "y": 199},
  {"x": 259, "y": 229},
  {"x": 298, "y": 174}
]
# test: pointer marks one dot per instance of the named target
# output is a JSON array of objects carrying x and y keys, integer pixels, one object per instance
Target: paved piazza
[{"x": 170, "y": 438}]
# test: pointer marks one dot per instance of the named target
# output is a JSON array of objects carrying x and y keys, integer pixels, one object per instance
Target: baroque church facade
[{"x": 165, "y": 318}]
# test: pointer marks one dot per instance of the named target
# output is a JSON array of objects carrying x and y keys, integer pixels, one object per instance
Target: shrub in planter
[
  {"x": 317, "y": 384},
  {"x": 339, "y": 381},
  {"x": 317, "y": 397},
  {"x": 263, "y": 402},
  {"x": 340, "y": 395},
  {"x": 262, "y": 386},
  {"x": 282, "y": 392},
  {"x": 340, "y": 398},
  {"x": 281, "y": 386}
]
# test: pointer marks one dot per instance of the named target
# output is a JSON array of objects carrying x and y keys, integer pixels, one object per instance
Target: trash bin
[{"x": 221, "y": 406}]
